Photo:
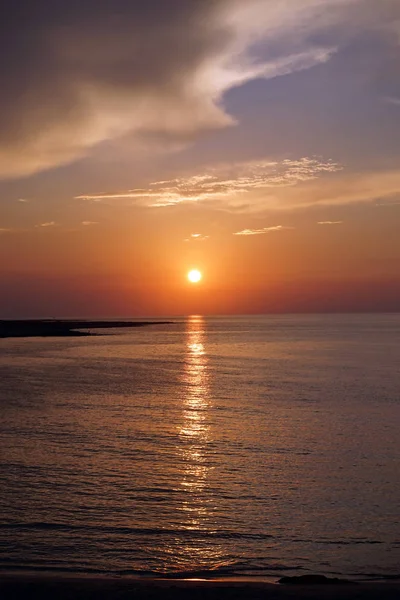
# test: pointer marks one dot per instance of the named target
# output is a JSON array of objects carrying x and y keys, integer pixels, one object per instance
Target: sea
[{"x": 211, "y": 447}]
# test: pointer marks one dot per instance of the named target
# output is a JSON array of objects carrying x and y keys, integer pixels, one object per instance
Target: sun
[{"x": 194, "y": 276}]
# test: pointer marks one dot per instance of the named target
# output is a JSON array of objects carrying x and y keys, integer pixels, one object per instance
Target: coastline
[
  {"x": 49, "y": 586},
  {"x": 64, "y": 327}
]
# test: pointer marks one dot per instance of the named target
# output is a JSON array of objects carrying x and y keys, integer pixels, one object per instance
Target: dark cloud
[
  {"x": 77, "y": 73},
  {"x": 74, "y": 73}
]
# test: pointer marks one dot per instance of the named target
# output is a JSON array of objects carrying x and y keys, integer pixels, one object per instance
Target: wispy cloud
[
  {"x": 260, "y": 186},
  {"x": 393, "y": 100},
  {"x": 197, "y": 237},
  {"x": 261, "y": 231},
  {"x": 381, "y": 187},
  {"x": 224, "y": 182},
  {"x": 47, "y": 224},
  {"x": 22, "y": 200},
  {"x": 88, "y": 223},
  {"x": 330, "y": 222},
  {"x": 388, "y": 203}
]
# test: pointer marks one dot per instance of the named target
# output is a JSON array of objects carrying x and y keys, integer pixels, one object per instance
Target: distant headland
[{"x": 64, "y": 327}]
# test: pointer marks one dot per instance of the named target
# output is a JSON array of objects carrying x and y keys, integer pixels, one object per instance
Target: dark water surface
[{"x": 252, "y": 446}]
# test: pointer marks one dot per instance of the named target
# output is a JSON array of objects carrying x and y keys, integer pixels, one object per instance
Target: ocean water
[{"x": 236, "y": 446}]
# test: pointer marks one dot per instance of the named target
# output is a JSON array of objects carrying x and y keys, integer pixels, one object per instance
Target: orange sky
[{"x": 265, "y": 155}]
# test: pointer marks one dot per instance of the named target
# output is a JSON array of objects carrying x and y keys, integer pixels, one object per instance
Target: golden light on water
[
  {"x": 194, "y": 428},
  {"x": 194, "y": 276},
  {"x": 195, "y": 434}
]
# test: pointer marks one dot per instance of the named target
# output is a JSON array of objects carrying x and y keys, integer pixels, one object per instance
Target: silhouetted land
[{"x": 64, "y": 327}]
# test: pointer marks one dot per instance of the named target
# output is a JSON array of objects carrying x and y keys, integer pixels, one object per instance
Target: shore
[
  {"x": 64, "y": 327},
  {"x": 50, "y": 587}
]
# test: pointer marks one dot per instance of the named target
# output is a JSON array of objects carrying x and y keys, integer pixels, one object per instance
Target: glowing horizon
[{"x": 255, "y": 156}]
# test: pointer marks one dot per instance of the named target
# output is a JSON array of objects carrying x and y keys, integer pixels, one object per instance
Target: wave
[
  {"x": 137, "y": 531},
  {"x": 231, "y": 571}
]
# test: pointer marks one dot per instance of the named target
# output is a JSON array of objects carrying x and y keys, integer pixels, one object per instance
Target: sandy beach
[{"x": 49, "y": 587}]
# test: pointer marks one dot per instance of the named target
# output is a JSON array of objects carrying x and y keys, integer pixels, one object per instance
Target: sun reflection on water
[
  {"x": 194, "y": 429},
  {"x": 195, "y": 434}
]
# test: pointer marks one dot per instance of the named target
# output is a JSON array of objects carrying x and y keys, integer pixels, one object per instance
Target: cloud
[
  {"x": 48, "y": 224},
  {"x": 225, "y": 183},
  {"x": 388, "y": 203},
  {"x": 266, "y": 185},
  {"x": 88, "y": 223},
  {"x": 377, "y": 187},
  {"x": 22, "y": 200},
  {"x": 197, "y": 237},
  {"x": 261, "y": 231},
  {"x": 330, "y": 222},
  {"x": 391, "y": 100},
  {"x": 76, "y": 74}
]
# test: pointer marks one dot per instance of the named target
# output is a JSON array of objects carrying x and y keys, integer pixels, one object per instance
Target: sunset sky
[{"x": 257, "y": 141}]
